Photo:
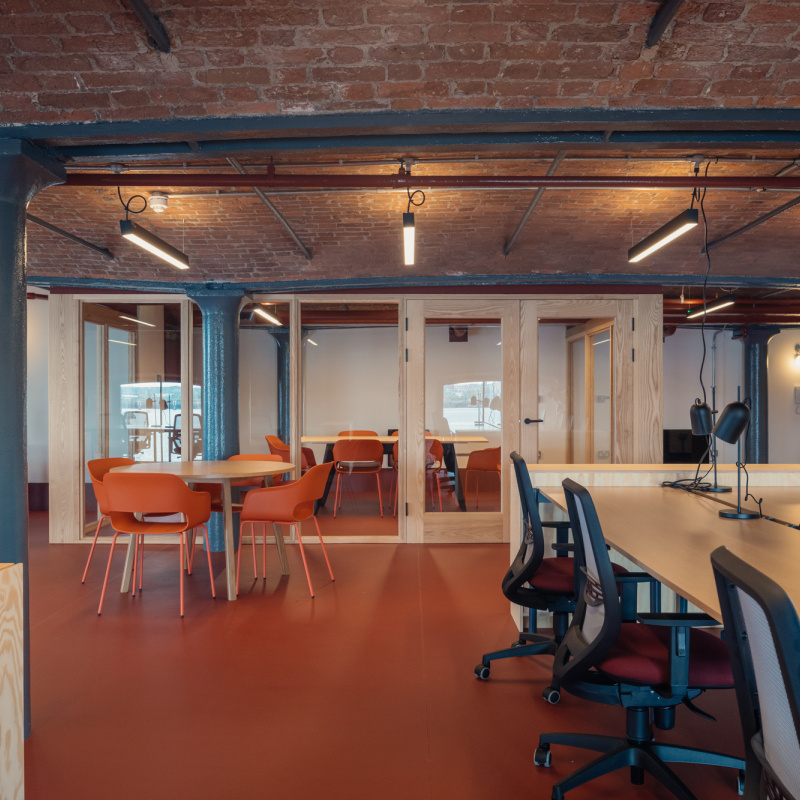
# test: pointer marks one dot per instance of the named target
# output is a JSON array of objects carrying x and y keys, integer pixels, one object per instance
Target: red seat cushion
[
  {"x": 641, "y": 655},
  {"x": 556, "y": 575}
]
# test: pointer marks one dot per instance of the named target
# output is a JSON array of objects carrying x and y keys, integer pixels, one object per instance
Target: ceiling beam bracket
[
  {"x": 750, "y": 225},
  {"x": 661, "y": 20},
  {"x": 536, "y": 198},
  {"x": 157, "y": 36},
  {"x": 234, "y": 162},
  {"x": 71, "y": 236}
]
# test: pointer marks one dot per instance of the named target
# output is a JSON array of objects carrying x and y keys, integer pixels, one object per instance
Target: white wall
[
  {"x": 683, "y": 354},
  {"x": 37, "y": 391},
  {"x": 784, "y": 415},
  {"x": 258, "y": 389},
  {"x": 351, "y": 382}
]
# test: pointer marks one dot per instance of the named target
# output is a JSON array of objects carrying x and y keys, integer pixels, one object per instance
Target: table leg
[
  {"x": 278, "y": 531},
  {"x": 230, "y": 556},
  {"x": 128, "y": 568},
  {"x": 451, "y": 462},
  {"x": 327, "y": 459}
]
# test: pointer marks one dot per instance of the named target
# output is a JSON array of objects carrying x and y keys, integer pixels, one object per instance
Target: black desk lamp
[{"x": 732, "y": 423}]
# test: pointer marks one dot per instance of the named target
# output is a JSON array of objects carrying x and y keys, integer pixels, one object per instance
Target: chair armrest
[
  {"x": 698, "y": 620},
  {"x": 556, "y": 524},
  {"x": 564, "y": 546},
  {"x": 633, "y": 577}
]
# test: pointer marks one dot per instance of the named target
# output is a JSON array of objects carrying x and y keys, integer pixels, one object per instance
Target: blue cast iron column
[
  {"x": 220, "y": 310},
  {"x": 755, "y": 351},
  {"x": 281, "y": 336},
  {"x": 24, "y": 171}
]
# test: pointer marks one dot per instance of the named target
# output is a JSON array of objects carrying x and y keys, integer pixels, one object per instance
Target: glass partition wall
[
  {"x": 132, "y": 386},
  {"x": 350, "y": 413}
]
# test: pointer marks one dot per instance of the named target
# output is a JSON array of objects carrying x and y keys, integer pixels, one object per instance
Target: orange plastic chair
[
  {"x": 130, "y": 494},
  {"x": 277, "y": 447},
  {"x": 479, "y": 461},
  {"x": 98, "y": 468},
  {"x": 357, "y": 457},
  {"x": 287, "y": 504},
  {"x": 434, "y": 462}
]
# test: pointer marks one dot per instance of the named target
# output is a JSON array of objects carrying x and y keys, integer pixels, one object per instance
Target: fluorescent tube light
[
  {"x": 266, "y": 316},
  {"x": 140, "y": 321},
  {"x": 664, "y": 235},
  {"x": 408, "y": 239},
  {"x": 150, "y": 242},
  {"x": 312, "y": 342},
  {"x": 715, "y": 306},
  {"x": 117, "y": 341}
]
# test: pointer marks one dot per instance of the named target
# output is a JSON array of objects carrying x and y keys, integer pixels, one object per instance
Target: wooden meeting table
[
  {"x": 448, "y": 444},
  {"x": 214, "y": 472},
  {"x": 671, "y": 534}
]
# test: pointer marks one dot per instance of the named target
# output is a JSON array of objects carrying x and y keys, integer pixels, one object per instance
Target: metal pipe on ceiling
[{"x": 403, "y": 180}]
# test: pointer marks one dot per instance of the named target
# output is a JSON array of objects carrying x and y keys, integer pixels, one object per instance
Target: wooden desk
[
  {"x": 780, "y": 503},
  {"x": 671, "y": 534},
  {"x": 449, "y": 443},
  {"x": 213, "y": 472}
]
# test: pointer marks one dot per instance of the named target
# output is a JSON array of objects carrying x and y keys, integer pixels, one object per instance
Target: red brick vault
[{"x": 88, "y": 60}]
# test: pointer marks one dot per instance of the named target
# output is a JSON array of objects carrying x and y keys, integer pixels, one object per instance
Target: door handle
[{"x": 528, "y": 420}]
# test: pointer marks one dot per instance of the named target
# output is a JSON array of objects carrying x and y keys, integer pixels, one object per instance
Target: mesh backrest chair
[
  {"x": 647, "y": 667},
  {"x": 762, "y": 633}
]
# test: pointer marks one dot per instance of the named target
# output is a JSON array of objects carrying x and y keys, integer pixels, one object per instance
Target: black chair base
[
  {"x": 641, "y": 755},
  {"x": 528, "y": 644}
]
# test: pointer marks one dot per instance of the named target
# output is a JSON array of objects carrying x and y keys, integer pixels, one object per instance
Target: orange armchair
[
  {"x": 152, "y": 494},
  {"x": 277, "y": 447},
  {"x": 357, "y": 457},
  {"x": 98, "y": 468},
  {"x": 286, "y": 504},
  {"x": 482, "y": 461}
]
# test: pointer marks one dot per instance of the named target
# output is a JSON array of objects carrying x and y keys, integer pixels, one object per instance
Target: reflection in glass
[
  {"x": 554, "y": 409},
  {"x": 577, "y": 359},
  {"x": 463, "y": 398},
  {"x": 602, "y": 397}
]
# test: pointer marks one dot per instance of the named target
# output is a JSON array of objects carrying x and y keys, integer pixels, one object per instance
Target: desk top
[
  {"x": 210, "y": 470},
  {"x": 671, "y": 534},
  {"x": 391, "y": 439},
  {"x": 782, "y": 503}
]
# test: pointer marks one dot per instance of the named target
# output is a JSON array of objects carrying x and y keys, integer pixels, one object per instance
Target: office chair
[
  {"x": 647, "y": 667},
  {"x": 552, "y": 585},
  {"x": 762, "y": 634}
]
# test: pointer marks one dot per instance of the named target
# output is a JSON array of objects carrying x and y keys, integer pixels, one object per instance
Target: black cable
[
  {"x": 127, "y": 206},
  {"x": 411, "y": 201},
  {"x": 748, "y": 402},
  {"x": 705, "y": 280},
  {"x": 698, "y": 482}
]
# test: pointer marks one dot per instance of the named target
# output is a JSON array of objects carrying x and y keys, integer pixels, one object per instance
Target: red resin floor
[{"x": 364, "y": 692}]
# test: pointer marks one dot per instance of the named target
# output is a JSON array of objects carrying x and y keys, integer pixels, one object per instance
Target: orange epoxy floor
[{"x": 364, "y": 692}]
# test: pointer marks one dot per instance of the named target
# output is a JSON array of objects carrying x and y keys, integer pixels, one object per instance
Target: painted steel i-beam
[
  {"x": 755, "y": 345},
  {"x": 24, "y": 171}
]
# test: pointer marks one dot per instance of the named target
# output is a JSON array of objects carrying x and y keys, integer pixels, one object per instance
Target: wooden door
[{"x": 463, "y": 386}]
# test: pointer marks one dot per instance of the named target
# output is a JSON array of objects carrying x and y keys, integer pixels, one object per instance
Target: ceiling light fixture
[
  {"x": 715, "y": 306},
  {"x": 153, "y": 244},
  {"x": 146, "y": 240},
  {"x": 311, "y": 341},
  {"x": 268, "y": 317},
  {"x": 664, "y": 235},
  {"x": 409, "y": 231},
  {"x": 140, "y": 321}
]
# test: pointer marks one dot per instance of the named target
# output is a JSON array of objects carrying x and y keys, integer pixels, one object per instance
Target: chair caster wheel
[
  {"x": 482, "y": 671},
  {"x": 518, "y": 644},
  {"x": 552, "y": 695},
  {"x": 740, "y": 782},
  {"x": 542, "y": 755}
]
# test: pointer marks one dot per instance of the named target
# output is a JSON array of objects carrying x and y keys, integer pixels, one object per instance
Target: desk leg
[
  {"x": 462, "y": 503},
  {"x": 278, "y": 531},
  {"x": 327, "y": 459},
  {"x": 128, "y": 568},
  {"x": 230, "y": 556}
]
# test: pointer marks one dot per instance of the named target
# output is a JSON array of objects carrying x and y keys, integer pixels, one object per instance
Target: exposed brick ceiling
[
  {"x": 87, "y": 60},
  {"x": 358, "y": 235}
]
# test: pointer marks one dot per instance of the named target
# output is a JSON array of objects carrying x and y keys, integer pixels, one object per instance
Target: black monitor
[{"x": 681, "y": 447}]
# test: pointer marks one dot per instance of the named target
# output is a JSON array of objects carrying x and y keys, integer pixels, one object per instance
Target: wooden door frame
[{"x": 426, "y": 526}]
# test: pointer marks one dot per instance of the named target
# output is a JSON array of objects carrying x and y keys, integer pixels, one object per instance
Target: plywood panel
[
  {"x": 649, "y": 379},
  {"x": 476, "y": 526},
  {"x": 12, "y": 696},
  {"x": 529, "y": 381},
  {"x": 415, "y": 422},
  {"x": 65, "y": 412}
]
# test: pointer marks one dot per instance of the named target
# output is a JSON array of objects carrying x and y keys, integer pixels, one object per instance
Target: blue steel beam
[{"x": 24, "y": 171}]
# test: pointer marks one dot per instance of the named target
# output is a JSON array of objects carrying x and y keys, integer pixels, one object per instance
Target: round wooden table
[{"x": 214, "y": 472}]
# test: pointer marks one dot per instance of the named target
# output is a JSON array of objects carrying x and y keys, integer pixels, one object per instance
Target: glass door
[{"x": 463, "y": 400}]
